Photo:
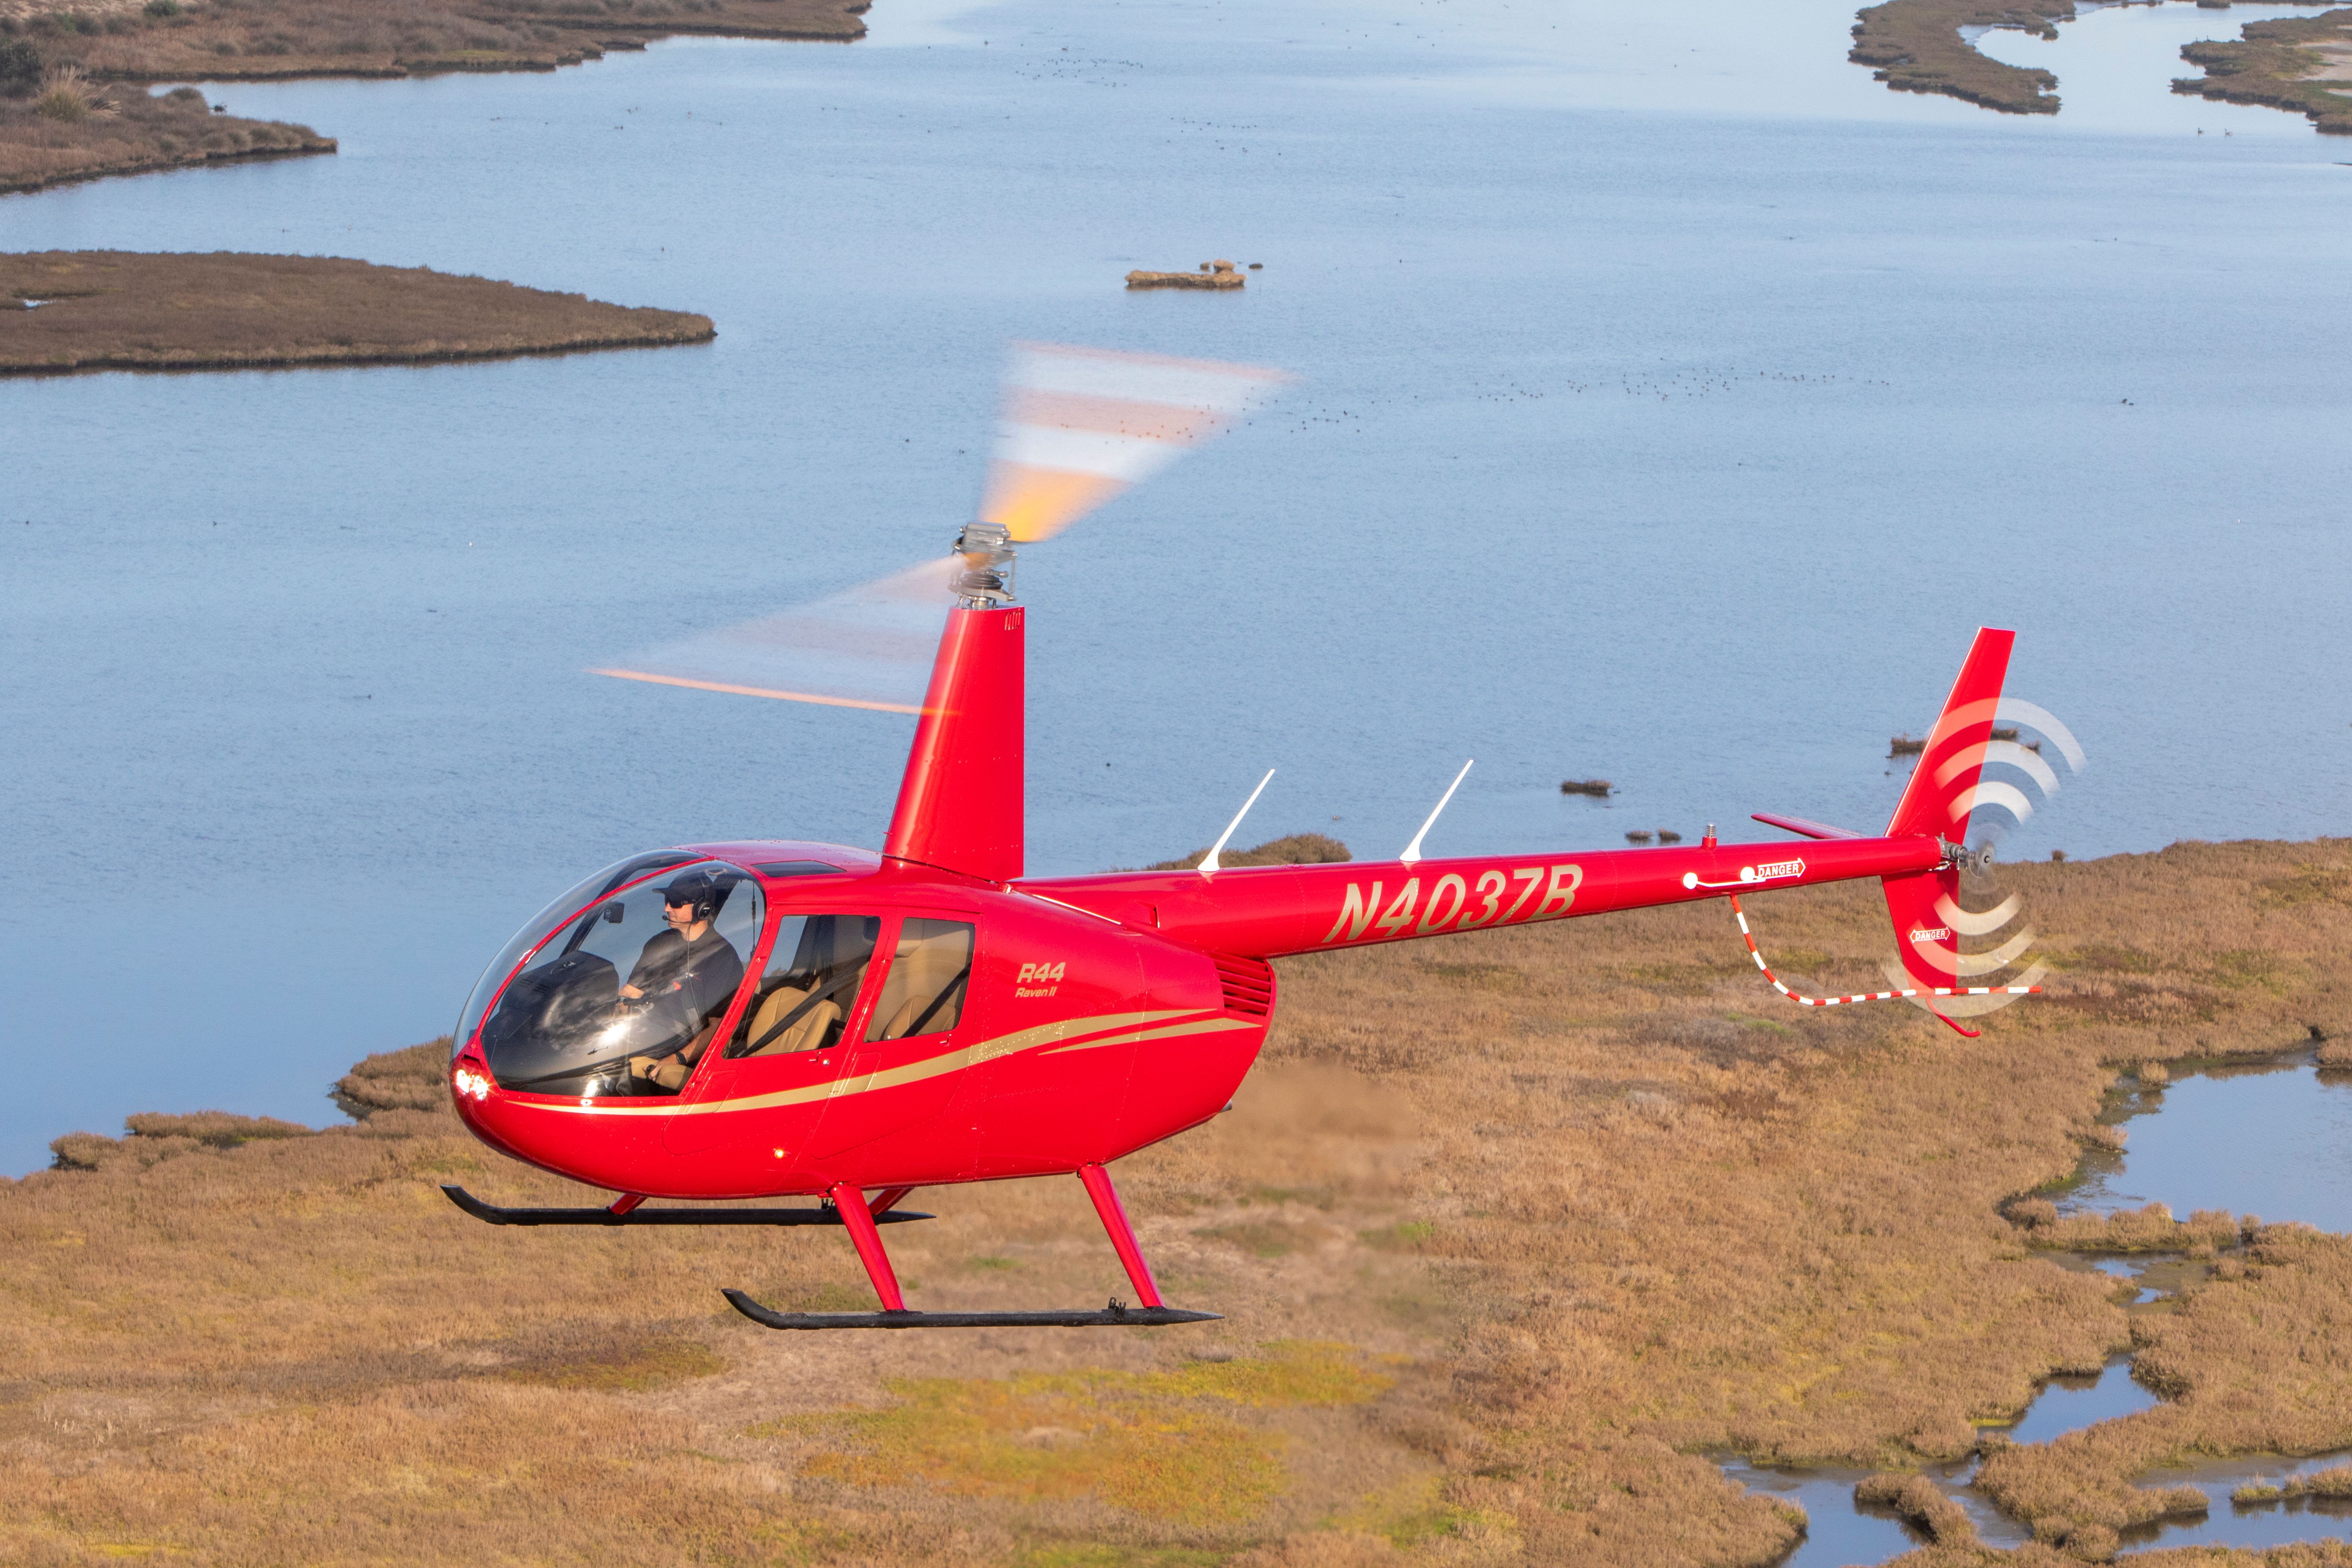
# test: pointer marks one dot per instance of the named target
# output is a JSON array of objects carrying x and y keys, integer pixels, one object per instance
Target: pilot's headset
[{"x": 701, "y": 889}]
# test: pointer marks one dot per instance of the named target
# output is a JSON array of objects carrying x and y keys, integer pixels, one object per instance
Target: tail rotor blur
[{"x": 2013, "y": 777}]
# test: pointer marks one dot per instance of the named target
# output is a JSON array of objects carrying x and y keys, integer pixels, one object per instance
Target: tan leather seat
[
  {"x": 918, "y": 973},
  {"x": 806, "y": 1035}
]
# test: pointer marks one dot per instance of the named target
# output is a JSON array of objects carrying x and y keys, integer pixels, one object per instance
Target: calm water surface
[
  {"x": 1676, "y": 401},
  {"x": 2272, "y": 1141}
]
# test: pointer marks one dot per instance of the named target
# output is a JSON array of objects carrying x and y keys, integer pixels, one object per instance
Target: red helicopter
[{"x": 775, "y": 1017}]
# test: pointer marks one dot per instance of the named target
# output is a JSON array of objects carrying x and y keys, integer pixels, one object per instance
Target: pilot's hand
[
  {"x": 632, "y": 992},
  {"x": 641, "y": 1067}
]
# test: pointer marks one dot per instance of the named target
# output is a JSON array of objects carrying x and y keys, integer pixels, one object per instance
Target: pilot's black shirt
[{"x": 702, "y": 975}]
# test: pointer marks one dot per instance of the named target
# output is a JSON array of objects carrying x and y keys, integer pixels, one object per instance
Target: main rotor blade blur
[
  {"x": 867, "y": 647},
  {"x": 1082, "y": 426}
]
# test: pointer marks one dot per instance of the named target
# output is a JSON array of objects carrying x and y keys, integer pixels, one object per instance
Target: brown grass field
[
  {"x": 60, "y": 120},
  {"x": 111, "y": 309},
  {"x": 1511, "y": 1230}
]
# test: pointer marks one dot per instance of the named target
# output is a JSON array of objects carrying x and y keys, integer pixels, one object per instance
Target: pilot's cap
[{"x": 699, "y": 888}]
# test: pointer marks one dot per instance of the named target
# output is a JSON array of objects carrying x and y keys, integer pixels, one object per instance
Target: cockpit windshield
[{"x": 644, "y": 970}]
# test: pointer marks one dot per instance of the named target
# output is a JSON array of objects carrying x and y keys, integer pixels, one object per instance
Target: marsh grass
[
  {"x": 2275, "y": 64},
  {"x": 275, "y": 39},
  {"x": 70, "y": 131},
  {"x": 1294, "y": 849},
  {"x": 128, "y": 311},
  {"x": 1601, "y": 1221},
  {"x": 1917, "y": 46}
]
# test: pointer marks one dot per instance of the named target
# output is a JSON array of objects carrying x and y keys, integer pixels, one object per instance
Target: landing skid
[
  {"x": 1114, "y": 1316},
  {"x": 824, "y": 1215}
]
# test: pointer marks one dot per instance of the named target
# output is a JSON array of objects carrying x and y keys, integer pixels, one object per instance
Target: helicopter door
[
  {"x": 785, "y": 1050},
  {"x": 908, "y": 1067}
]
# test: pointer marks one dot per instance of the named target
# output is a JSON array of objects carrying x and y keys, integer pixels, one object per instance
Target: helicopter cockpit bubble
[{"x": 601, "y": 975}]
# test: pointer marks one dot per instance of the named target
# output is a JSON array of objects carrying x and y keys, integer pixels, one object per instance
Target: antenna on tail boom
[
  {"x": 1209, "y": 862},
  {"x": 1412, "y": 850}
]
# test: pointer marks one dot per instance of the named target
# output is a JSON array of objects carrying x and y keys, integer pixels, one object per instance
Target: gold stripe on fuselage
[{"x": 1127, "y": 1028}]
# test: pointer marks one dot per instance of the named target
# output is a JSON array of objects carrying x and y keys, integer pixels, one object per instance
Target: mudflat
[
  {"x": 111, "y": 309},
  {"x": 1512, "y": 1231}
]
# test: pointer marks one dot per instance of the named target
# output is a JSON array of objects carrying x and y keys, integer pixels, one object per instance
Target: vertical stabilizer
[
  {"x": 960, "y": 807},
  {"x": 1943, "y": 788},
  {"x": 1941, "y": 793}
]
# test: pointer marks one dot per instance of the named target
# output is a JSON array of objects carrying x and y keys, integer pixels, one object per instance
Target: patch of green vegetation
[
  {"x": 1145, "y": 1442},
  {"x": 1405, "y": 1236},
  {"x": 996, "y": 1265},
  {"x": 1415, "y": 1514},
  {"x": 1097, "y": 1554},
  {"x": 631, "y": 1368},
  {"x": 2309, "y": 884},
  {"x": 2242, "y": 967}
]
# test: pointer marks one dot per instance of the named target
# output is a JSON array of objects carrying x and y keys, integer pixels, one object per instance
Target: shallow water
[
  {"x": 2274, "y": 1141},
  {"x": 1675, "y": 400},
  {"x": 2269, "y": 1139}
]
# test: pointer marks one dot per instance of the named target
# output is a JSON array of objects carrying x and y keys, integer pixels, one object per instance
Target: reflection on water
[
  {"x": 1840, "y": 1530},
  {"x": 2071, "y": 1403},
  {"x": 2271, "y": 1140},
  {"x": 2261, "y": 1524}
]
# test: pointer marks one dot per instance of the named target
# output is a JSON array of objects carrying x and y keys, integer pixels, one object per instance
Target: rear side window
[
  {"x": 929, "y": 974},
  {"x": 810, "y": 985}
]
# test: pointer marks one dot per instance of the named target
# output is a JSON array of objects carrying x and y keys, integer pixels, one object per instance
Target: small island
[
  {"x": 71, "y": 106},
  {"x": 1217, "y": 274},
  {"x": 2302, "y": 65},
  {"x": 66, "y": 311},
  {"x": 64, "y": 128}
]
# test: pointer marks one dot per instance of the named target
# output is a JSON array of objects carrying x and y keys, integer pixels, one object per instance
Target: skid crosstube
[
  {"x": 496, "y": 1216},
  {"x": 1111, "y": 1316}
]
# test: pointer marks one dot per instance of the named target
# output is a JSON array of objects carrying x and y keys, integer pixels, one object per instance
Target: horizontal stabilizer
[{"x": 1800, "y": 825}]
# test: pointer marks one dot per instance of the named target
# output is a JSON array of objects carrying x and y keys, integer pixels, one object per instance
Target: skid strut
[{"x": 849, "y": 1202}]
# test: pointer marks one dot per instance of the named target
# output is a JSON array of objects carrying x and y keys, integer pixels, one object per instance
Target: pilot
[{"x": 688, "y": 970}]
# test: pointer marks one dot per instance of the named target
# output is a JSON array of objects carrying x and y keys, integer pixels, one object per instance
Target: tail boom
[{"x": 1272, "y": 911}]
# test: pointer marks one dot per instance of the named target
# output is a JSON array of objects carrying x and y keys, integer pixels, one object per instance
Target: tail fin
[
  {"x": 960, "y": 807},
  {"x": 1941, "y": 793}
]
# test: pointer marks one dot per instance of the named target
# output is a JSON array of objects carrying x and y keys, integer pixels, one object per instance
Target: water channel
[
  {"x": 2234, "y": 1137},
  {"x": 1651, "y": 359}
]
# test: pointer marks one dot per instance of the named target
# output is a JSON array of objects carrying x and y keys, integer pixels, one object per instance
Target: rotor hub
[{"x": 983, "y": 580}]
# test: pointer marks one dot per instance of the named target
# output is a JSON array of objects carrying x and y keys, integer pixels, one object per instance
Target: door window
[
  {"x": 929, "y": 974},
  {"x": 810, "y": 985}
]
